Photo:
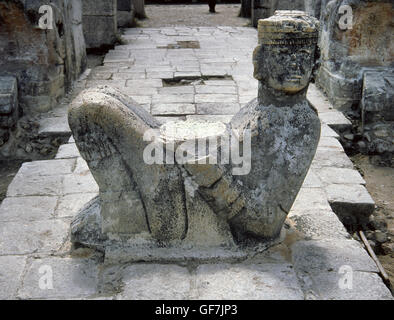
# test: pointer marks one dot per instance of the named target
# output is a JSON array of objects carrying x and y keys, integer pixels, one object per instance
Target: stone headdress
[{"x": 288, "y": 27}]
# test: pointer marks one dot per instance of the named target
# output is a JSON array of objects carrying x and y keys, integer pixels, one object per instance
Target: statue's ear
[{"x": 258, "y": 63}]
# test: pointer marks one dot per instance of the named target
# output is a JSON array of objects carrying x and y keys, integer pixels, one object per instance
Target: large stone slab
[
  {"x": 352, "y": 203},
  {"x": 319, "y": 225},
  {"x": 11, "y": 275},
  {"x": 216, "y": 98},
  {"x": 217, "y": 108},
  {"x": 79, "y": 183},
  {"x": 23, "y": 237},
  {"x": 323, "y": 266},
  {"x": 173, "y": 109},
  {"x": 60, "y": 278},
  {"x": 310, "y": 200},
  {"x": 266, "y": 281},
  {"x": 155, "y": 282},
  {"x": 69, "y": 205},
  {"x": 328, "y": 286},
  {"x": 28, "y": 185},
  {"x": 54, "y": 127},
  {"x": 27, "y": 208},
  {"x": 326, "y": 157},
  {"x": 330, "y": 175},
  {"x": 312, "y": 180},
  {"x": 315, "y": 256},
  {"x": 47, "y": 168}
]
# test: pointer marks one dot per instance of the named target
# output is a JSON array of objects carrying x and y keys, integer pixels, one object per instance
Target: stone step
[
  {"x": 327, "y": 113},
  {"x": 54, "y": 127},
  {"x": 54, "y": 123}
]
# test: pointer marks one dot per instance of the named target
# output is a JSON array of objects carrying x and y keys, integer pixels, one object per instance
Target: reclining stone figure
[{"x": 194, "y": 204}]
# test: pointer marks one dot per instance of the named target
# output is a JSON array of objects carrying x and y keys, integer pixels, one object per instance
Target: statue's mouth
[{"x": 294, "y": 79}]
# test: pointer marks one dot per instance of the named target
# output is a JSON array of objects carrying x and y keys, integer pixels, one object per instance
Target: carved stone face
[{"x": 284, "y": 68}]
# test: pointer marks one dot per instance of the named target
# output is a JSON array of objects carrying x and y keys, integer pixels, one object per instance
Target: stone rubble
[{"x": 55, "y": 58}]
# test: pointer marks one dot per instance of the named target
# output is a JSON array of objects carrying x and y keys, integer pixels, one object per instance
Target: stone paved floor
[
  {"x": 172, "y": 15},
  {"x": 210, "y": 82}
]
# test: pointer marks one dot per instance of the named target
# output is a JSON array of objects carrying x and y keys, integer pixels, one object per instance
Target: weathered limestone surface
[
  {"x": 216, "y": 282},
  {"x": 100, "y": 23},
  {"x": 45, "y": 62},
  {"x": 198, "y": 204},
  {"x": 317, "y": 265}
]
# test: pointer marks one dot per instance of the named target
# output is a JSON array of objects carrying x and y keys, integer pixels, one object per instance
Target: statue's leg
[{"x": 108, "y": 128}]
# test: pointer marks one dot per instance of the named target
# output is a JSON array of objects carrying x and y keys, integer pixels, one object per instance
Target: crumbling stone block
[
  {"x": 100, "y": 22},
  {"x": 9, "y": 108}
]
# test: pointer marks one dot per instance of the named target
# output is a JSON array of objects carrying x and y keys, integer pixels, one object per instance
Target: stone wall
[
  {"x": 45, "y": 62},
  {"x": 356, "y": 72},
  {"x": 126, "y": 13},
  {"x": 347, "y": 54},
  {"x": 377, "y": 116},
  {"x": 9, "y": 108},
  {"x": 100, "y": 24}
]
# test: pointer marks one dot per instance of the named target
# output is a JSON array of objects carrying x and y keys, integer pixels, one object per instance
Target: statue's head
[{"x": 284, "y": 58}]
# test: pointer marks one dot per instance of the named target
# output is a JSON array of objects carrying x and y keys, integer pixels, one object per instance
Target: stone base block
[{"x": 86, "y": 230}]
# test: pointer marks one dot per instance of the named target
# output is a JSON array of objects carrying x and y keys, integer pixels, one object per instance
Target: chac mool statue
[
  {"x": 285, "y": 127},
  {"x": 194, "y": 204}
]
